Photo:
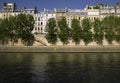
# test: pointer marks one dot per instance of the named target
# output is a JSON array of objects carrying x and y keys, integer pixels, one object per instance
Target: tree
[
  {"x": 89, "y": 7},
  {"x": 98, "y": 31},
  {"x": 25, "y": 25},
  {"x": 16, "y": 27},
  {"x": 63, "y": 30},
  {"x": 76, "y": 31},
  {"x": 12, "y": 24},
  {"x": 4, "y": 30},
  {"x": 117, "y": 29},
  {"x": 51, "y": 35},
  {"x": 109, "y": 28},
  {"x": 96, "y": 7},
  {"x": 2, "y": 34},
  {"x": 86, "y": 31}
]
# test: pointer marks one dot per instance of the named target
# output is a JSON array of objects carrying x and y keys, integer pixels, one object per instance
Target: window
[
  {"x": 38, "y": 28},
  {"x": 41, "y": 23},
  {"x": 35, "y": 28},
  {"x": 38, "y": 19},
  {"x": 30, "y": 11},
  {"x": 41, "y": 30}
]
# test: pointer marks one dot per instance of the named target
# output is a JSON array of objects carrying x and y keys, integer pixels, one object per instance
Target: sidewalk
[{"x": 60, "y": 49}]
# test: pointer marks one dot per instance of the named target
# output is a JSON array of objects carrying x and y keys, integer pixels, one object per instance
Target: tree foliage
[
  {"x": 109, "y": 28},
  {"x": 86, "y": 31},
  {"x": 98, "y": 31},
  {"x": 25, "y": 25},
  {"x": 16, "y": 27},
  {"x": 4, "y": 30},
  {"x": 63, "y": 30},
  {"x": 96, "y": 7},
  {"x": 76, "y": 31},
  {"x": 117, "y": 29},
  {"x": 13, "y": 36},
  {"x": 21, "y": 26},
  {"x": 51, "y": 35}
]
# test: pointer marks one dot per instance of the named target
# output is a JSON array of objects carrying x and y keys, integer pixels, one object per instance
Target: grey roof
[
  {"x": 28, "y": 9},
  {"x": 60, "y": 10},
  {"x": 17, "y": 11},
  {"x": 76, "y": 12},
  {"x": 48, "y": 12}
]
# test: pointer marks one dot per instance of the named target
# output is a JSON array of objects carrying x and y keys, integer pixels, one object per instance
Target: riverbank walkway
[{"x": 59, "y": 49}]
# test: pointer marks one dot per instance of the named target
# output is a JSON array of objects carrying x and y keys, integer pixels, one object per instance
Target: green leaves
[
  {"x": 4, "y": 29},
  {"x": 117, "y": 29},
  {"x": 51, "y": 35},
  {"x": 76, "y": 31},
  {"x": 16, "y": 27},
  {"x": 22, "y": 25},
  {"x": 63, "y": 30},
  {"x": 25, "y": 27},
  {"x": 98, "y": 31},
  {"x": 109, "y": 28},
  {"x": 86, "y": 30}
]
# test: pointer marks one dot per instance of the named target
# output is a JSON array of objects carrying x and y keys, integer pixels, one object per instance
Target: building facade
[
  {"x": 31, "y": 11},
  {"x": 8, "y": 9},
  {"x": 41, "y": 18},
  {"x": 77, "y": 14}
]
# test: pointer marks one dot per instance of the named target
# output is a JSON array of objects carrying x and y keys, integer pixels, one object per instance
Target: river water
[{"x": 59, "y": 67}]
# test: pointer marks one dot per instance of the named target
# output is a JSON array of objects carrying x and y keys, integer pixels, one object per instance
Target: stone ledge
[{"x": 60, "y": 49}]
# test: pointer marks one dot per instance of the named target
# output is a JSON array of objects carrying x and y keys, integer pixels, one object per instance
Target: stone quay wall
[{"x": 62, "y": 49}]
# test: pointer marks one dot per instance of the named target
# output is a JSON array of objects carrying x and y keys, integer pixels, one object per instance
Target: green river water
[{"x": 59, "y": 67}]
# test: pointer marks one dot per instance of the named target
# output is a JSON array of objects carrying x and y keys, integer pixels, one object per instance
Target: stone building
[
  {"x": 8, "y": 9},
  {"x": 76, "y": 13},
  {"x": 59, "y": 13},
  {"x": 29, "y": 11},
  {"x": 41, "y": 19},
  {"x": 117, "y": 9}
]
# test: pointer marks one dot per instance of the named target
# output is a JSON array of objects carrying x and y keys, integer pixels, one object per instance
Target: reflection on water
[{"x": 60, "y": 67}]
